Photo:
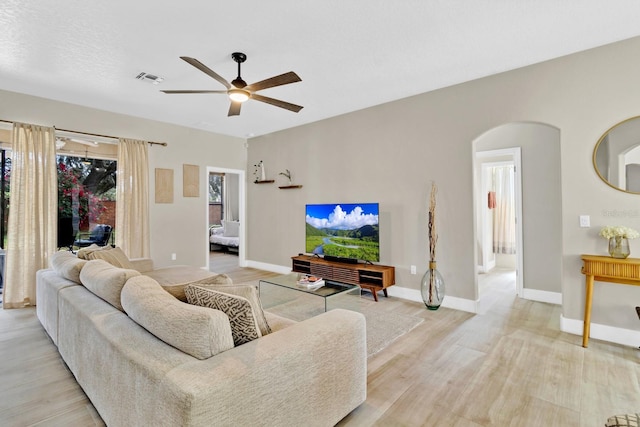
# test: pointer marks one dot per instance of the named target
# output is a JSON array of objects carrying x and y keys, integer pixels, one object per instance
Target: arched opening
[{"x": 535, "y": 267}]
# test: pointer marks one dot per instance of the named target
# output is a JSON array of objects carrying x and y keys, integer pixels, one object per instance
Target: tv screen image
[{"x": 344, "y": 230}]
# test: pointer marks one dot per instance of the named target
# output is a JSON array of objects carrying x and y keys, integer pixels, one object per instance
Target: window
[
  {"x": 86, "y": 187},
  {"x": 86, "y": 196},
  {"x": 216, "y": 197}
]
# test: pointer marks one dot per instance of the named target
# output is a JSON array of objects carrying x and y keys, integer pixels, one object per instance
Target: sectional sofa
[{"x": 145, "y": 357}]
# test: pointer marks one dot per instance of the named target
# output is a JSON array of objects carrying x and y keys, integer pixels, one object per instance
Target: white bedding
[{"x": 218, "y": 236}]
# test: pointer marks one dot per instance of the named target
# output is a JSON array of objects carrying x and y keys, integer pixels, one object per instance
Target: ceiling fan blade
[
  {"x": 194, "y": 91},
  {"x": 282, "y": 79},
  {"x": 200, "y": 66},
  {"x": 282, "y": 104},
  {"x": 234, "y": 109}
]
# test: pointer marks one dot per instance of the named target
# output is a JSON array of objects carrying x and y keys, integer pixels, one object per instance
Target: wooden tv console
[{"x": 372, "y": 277}]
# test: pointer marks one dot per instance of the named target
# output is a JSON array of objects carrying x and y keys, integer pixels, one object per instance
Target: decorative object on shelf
[
  {"x": 260, "y": 174},
  {"x": 619, "y": 236},
  {"x": 432, "y": 285},
  {"x": 287, "y": 174}
]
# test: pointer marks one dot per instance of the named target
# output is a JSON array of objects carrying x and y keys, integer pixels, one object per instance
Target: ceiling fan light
[{"x": 238, "y": 95}]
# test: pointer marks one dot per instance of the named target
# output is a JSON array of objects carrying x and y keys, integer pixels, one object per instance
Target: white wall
[{"x": 180, "y": 227}]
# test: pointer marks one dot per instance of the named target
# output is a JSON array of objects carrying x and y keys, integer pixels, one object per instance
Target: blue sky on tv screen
[{"x": 342, "y": 216}]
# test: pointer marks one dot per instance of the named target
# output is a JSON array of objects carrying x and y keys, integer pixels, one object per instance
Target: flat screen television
[{"x": 343, "y": 230}]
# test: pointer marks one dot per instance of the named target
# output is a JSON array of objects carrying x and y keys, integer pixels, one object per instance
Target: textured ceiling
[{"x": 350, "y": 54}]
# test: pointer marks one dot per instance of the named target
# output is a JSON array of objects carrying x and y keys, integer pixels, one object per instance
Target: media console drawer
[{"x": 368, "y": 276}]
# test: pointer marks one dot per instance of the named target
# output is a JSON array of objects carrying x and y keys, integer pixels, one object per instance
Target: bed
[{"x": 225, "y": 238}]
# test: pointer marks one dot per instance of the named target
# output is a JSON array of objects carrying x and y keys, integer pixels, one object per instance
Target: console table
[
  {"x": 606, "y": 269},
  {"x": 373, "y": 277}
]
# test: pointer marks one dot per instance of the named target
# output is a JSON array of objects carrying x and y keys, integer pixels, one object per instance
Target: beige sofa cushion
[
  {"x": 106, "y": 280},
  {"x": 198, "y": 331},
  {"x": 244, "y": 326},
  {"x": 66, "y": 264}
]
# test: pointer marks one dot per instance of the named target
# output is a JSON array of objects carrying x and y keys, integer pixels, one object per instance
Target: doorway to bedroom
[{"x": 224, "y": 213}]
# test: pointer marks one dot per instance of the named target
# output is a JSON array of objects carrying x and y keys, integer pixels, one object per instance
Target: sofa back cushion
[
  {"x": 66, "y": 264},
  {"x": 106, "y": 280},
  {"x": 198, "y": 331}
]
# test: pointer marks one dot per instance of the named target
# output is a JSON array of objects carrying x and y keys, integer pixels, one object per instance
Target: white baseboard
[
  {"x": 449, "y": 301},
  {"x": 601, "y": 332},
  {"x": 542, "y": 296},
  {"x": 269, "y": 267}
]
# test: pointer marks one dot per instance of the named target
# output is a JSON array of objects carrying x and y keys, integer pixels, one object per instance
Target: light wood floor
[{"x": 510, "y": 366}]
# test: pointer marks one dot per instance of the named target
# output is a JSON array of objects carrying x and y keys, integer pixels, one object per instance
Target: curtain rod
[{"x": 164, "y": 144}]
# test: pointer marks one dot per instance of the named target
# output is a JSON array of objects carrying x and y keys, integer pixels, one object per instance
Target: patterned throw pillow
[
  {"x": 244, "y": 326},
  {"x": 250, "y": 292},
  {"x": 627, "y": 420}
]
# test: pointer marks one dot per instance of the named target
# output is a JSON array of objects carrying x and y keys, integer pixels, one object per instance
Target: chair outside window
[{"x": 100, "y": 236}]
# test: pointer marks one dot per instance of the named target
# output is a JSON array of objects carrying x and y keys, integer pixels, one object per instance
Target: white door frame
[
  {"x": 242, "y": 191},
  {"x": 515, "y": 155}
]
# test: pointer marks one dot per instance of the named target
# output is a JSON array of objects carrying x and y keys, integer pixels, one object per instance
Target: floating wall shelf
[
  {"x": 287, "y": 187},
  {"x": 266, "y": 181}
]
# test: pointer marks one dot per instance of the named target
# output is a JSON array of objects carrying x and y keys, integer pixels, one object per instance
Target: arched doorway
[{"x": 539, "y": 264}]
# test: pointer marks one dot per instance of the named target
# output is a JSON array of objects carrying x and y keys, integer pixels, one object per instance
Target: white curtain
[
  {"x": 504, "y": 213},
  {"x": 33, "y": 212},
  {"x": 227, "y": 198},
  {"x": 132, "y": 195}
]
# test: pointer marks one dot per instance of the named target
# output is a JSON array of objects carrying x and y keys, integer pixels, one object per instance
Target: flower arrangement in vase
[
  {"x": 619, "y": 236},
  {"x": 432, "y": 285}
]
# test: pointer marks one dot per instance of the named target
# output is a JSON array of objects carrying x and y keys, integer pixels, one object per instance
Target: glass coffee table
[{"x": 330, "y": 290}]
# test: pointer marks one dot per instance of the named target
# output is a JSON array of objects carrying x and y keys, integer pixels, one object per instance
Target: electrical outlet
[
  {"x": 413, "y": 269},
  {"x": 173, "y": 257},
  {"x": 585, "y": 221}
]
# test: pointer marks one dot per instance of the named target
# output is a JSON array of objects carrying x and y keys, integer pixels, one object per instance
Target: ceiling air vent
[{"x": 149, "y": 78}]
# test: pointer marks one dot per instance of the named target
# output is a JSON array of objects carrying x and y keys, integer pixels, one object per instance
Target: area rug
[{"x": 383, "y": 327}]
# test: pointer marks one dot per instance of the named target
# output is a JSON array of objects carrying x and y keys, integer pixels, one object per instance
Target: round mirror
[{"x": 616, "y": 157}]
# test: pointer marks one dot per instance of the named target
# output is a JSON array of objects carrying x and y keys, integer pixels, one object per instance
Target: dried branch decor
[{"x": 433, "y": 236}]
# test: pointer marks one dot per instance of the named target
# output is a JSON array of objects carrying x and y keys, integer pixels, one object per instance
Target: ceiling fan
[{"x": 238, "y": 90}]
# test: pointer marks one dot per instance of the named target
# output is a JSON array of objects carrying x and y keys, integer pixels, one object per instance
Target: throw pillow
[
  {"x": 250, "y": 292},
  {"x": 106, "y": 280},
  {"x": 177, "y": 289},
  {"x": 66, "y": 264},
  {"x": 231, "y": 228},
  {"x": 627, "y": 420},
  {"x": 197, "y": 331},
  {"x": 85, "y": 252},
  {"x": 113, "y": 256},
  {"x": 244, "y": 326}
]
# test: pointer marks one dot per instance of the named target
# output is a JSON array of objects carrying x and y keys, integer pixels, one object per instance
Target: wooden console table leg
[
  {"x": 587, "y": 311},
  {"x": 384, "y": 291}
]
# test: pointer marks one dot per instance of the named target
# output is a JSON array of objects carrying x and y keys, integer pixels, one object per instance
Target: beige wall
[
  {"x": 391, "y": 153},
  {"x": 179, "y": 228}
]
